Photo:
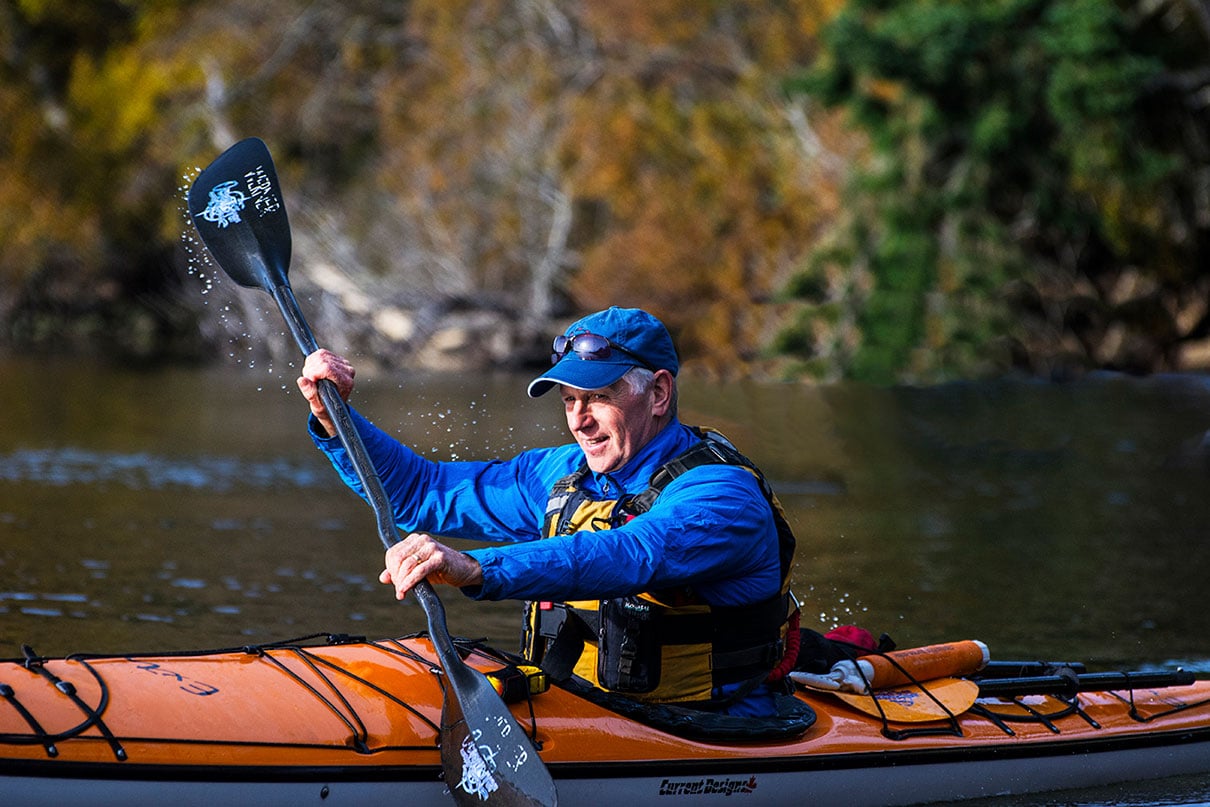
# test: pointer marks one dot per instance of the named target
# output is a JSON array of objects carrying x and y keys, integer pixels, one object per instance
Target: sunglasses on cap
[{"x": 590, "y": 347}]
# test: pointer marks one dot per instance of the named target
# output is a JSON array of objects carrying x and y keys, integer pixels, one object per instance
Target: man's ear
[{"x": 661, "y": 392}]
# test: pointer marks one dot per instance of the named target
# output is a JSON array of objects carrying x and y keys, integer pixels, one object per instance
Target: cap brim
[{"x": 580, "y": 374}]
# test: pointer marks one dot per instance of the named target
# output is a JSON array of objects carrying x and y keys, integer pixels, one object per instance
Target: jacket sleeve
[
  {"x": 711, "y": 528},
  {"x": 486, "y": 501}
]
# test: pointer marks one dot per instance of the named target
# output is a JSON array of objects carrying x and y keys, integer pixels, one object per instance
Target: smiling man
[{"x": 653, "y": 556}]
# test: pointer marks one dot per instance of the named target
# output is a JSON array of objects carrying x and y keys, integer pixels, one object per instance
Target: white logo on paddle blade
[
  {"x": 225, "y": 204},
  {"x": 478, "y": 763}
]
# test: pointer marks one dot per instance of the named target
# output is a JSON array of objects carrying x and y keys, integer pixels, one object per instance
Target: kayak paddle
[{"x": 237, "y": 206}]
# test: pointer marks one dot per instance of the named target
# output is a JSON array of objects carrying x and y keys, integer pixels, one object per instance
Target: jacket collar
[{"x": 636, "y": 473}]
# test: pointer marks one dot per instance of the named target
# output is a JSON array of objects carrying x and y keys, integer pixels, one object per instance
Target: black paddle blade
[
  {"x": 484, "y": 746},
  {"x": 236, "y": 204}
]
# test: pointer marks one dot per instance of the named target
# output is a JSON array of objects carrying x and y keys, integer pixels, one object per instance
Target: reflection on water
[
  {"x": 1048, "y": 520},
  {"x": 76, "y": 466},
  {"x": 184, "y": 509},
  {"x": 187, "y": 508}
]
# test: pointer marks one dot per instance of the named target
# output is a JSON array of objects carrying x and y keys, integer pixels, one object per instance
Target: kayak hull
[
  {"x": 357, "y": 723},
  {"x": 637, "y": 784}
]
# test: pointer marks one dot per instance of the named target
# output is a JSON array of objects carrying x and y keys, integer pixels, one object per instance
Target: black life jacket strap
[
  {"x": 562, "y": 631},
  {"x": 711, "y": 449},
  {"x": 715, "y": 449},
  {"x": 561, "y": 494}
]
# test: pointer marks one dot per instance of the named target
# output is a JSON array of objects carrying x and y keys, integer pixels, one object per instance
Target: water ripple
[{"x": 76, "y": 466}]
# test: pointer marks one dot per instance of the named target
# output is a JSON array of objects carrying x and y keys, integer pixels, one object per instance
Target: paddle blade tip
[{"x": 491, "y": 773}]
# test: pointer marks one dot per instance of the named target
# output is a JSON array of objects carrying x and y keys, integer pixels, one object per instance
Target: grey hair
[{"x": 639, "y": 380}]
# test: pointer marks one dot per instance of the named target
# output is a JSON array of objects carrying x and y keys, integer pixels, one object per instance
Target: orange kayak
[{"x": 349, "y": 721}]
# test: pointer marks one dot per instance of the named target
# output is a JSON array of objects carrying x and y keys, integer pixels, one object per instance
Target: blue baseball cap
[{"x": 601, "y": 348}]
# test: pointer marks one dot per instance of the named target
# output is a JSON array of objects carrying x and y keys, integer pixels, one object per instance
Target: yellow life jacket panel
[{"x": 660, "y": 646}]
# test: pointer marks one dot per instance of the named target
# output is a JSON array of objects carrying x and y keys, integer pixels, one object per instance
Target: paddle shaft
[
  {"x": 434, "y": 611},
  {"x": 474, "y": 696},
  {"x": 1019, "y": 669},
  {"x": 1086, "y": 682}
]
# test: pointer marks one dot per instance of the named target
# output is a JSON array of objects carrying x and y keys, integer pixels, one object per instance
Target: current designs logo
[{"x": 708, "y": 787}]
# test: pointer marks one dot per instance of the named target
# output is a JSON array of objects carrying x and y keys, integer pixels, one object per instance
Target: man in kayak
[{"x": 654, "y": 557}]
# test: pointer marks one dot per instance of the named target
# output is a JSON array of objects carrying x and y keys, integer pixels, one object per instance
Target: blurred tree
[
  {"x": 524, "y": 158},
  {"x": 613, "y": 152},
  {"x": 104, "y": 102},
  {"x": 470, "y": 145},
  {"x": 505, "y": 139},
  {"x": 707, "y": 181},
  {"x": 1036, "y": 192},
  {"x": 42, "y": 208}
]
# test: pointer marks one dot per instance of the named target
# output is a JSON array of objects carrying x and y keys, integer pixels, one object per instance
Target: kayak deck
[{"x": 370, "y": 710}]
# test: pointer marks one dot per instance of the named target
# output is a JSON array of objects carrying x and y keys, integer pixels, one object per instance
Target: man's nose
[{"x": 579, "y": 416}]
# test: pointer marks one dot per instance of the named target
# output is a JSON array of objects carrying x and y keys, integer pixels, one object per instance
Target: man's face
[{"x": 613, "y": 423}]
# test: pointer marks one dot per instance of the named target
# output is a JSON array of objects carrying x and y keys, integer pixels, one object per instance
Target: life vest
[{"x": 666, "y": 646}]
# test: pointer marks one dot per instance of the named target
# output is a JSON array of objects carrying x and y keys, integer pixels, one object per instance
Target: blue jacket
[{"x": 711, "y": 528}]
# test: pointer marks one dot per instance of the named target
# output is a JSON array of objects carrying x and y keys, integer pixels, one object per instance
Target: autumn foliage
[
  {"x": 531, "y": 157},
  {"x": 888, "y": 191}
]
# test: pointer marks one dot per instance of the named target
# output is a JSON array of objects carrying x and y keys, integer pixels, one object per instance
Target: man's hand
[
  {"x": 337, "y": 369},
  {"x": 419, "y": 556}
]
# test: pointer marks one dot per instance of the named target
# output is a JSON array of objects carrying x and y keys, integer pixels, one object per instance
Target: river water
[{"x": 186, "y": 508}]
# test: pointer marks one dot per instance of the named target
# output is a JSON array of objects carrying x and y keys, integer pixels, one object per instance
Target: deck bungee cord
[
  {"x": 92, "y": 715},
  {"x": 337, "y": 702},
  {"x": 956, "y": 678},
  {"x": 324, "y": 686}
]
